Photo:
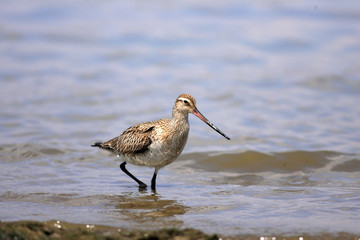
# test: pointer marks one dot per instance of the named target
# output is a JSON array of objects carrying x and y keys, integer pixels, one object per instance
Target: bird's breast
[{"x": 167, "y": 147}]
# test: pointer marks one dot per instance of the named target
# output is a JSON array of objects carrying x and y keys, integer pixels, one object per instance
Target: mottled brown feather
[{"x": 135, "y": 139}]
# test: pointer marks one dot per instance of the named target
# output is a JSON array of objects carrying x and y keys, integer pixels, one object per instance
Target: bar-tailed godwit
[{"x": 156, "y": 143}]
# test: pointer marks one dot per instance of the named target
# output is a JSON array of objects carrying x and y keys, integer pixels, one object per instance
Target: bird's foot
[{"x": 142, "y": 185}]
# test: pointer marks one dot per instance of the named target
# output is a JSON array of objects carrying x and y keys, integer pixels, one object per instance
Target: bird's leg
[
  {"x": 153, "y": 180},
  {"x": 141, "y": 184}
]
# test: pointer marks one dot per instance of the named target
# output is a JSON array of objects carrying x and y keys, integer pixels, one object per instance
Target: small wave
[
  {"x": 279, "y": 162},
  {"x": 21, "y": 152},
  {"x": 348, "y": 166}
]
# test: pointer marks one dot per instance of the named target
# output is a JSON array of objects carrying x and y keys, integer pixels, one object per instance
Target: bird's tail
[
  {"x": 97, "y": 144},
  {"x": 104, "y": 146}
]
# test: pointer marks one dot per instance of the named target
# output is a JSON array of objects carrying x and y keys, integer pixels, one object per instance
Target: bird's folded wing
[{"x": 134, "y": 140}]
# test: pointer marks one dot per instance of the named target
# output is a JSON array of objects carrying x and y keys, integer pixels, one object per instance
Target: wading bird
[{"x": 156, "y": 143}]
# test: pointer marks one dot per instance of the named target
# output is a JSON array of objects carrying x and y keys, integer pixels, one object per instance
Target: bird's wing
[{"x": 135, "y": 139}]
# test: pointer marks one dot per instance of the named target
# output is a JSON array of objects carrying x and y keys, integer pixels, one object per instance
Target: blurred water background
[{"x": 281, "y": 78}]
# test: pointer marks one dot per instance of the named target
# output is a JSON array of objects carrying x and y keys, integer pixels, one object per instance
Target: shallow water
[{"x": 281, "y": 80}]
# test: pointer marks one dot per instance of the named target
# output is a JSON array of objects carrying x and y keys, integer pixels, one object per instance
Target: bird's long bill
[{"x": 204, "y": 119}]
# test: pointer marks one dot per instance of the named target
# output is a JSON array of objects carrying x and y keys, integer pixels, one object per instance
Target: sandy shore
[{"x": 33, "y": 230}]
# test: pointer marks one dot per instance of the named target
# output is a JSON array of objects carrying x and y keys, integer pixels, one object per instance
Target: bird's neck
[{"x": 179, "y": 118}]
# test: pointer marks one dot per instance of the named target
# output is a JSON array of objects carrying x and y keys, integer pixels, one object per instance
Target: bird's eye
[{"x": 186, "y": 102}]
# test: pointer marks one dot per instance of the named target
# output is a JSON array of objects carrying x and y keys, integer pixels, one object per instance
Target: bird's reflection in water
[{"x": 145, "y": 205}]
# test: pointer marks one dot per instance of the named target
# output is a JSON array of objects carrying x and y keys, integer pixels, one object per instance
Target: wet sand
[{"x": 33, "y": 230}]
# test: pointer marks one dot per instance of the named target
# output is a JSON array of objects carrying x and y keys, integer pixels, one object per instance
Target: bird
[{"x": 156, "y": 143}]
